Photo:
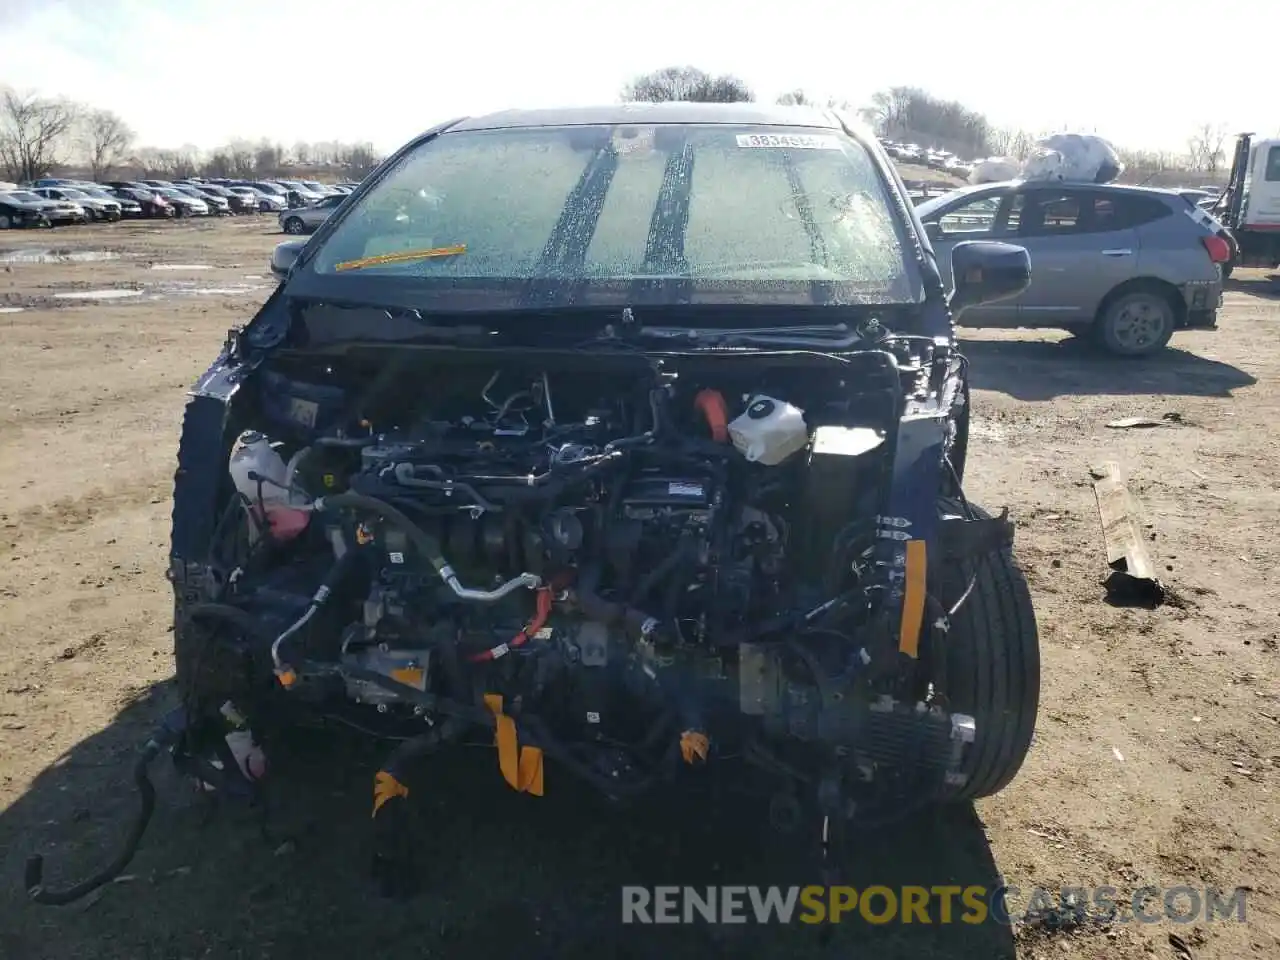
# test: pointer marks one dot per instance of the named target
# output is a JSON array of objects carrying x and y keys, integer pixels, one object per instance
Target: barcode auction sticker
[{"x": 790, "y": 141}]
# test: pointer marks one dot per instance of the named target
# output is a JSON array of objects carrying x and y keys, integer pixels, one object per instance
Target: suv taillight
[{"x": 1218, "y": 249}]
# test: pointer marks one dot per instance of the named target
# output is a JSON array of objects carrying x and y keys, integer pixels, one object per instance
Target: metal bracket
[
  {"x": 960, "y": 538},
  {"x": 234, "y": 344}
]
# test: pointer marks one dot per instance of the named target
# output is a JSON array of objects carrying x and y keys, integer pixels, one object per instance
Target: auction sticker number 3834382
[{"x": 794, "y": 141}]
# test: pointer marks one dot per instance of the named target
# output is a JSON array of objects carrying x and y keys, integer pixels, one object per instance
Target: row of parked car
[
  {"x": 54, "y": 201},
  {"x": 942, "y": 160}
]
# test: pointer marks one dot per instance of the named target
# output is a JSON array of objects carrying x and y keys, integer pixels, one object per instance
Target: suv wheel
[
  {"x": 992, "y": 652},
  {"x": 1136, "y": 324},
  {"x": 294, "y": 225}
]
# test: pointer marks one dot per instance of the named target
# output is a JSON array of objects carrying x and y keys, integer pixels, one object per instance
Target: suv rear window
[
  {"x": 1052, "y": 213},
  {"x": 1123, "y": 211}
]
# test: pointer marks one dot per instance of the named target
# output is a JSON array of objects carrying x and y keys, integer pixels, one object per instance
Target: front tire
[
  {"x": 992, "y": 665},
  {"x": 1135, "y": 324},
  {"x": 294, "y": 226}
]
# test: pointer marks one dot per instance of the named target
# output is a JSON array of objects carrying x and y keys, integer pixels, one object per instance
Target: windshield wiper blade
[{"x": 404, "y": 256}]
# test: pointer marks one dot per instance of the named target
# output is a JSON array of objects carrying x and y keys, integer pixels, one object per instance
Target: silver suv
[
  {"x": 1126, "y": 265},
  {"x": 306, "y": 219}
]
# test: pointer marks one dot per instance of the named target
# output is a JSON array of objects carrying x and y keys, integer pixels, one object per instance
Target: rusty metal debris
[
  {"x": 1127, "y": 423},
  {"x": 1132, "y": 580}
]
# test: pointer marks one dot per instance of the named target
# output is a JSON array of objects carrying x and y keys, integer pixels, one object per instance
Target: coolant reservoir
[
  {"x": 263, "y": 479},
  {"x": 769, "y": 430}
]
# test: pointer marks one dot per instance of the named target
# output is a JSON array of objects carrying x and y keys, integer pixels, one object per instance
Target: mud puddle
[
  {"x": 57, "y": 256},
  {"x": 164, "y": 290},
  {"x": 97, "y": 294},
  {"x": 189, "y": 288}
]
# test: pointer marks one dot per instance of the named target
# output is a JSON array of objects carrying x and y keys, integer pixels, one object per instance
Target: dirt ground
[{"x": 1156, "y": 758}]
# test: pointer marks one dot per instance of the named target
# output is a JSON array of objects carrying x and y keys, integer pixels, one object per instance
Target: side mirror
[
  {"x": 284, "y": 256},
  {"x": 933, "y": 230},
  {"x": 986, "y": 271}
]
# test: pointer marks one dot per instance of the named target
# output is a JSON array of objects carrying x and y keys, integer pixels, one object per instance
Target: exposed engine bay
[
  {"x": 624, "y": 576},
  {"x": 625, "y": 566}
]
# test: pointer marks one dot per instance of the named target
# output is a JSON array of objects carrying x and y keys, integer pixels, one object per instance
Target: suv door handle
[{"x": 1121, "y": 252}]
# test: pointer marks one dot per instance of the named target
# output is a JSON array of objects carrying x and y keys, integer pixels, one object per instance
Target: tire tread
[{"x": 993, "y": 665}]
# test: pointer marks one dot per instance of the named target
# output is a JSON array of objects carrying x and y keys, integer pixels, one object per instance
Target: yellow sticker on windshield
[
  {"x": 406, "y": 256},
  {"x": 789, "y": 141}
]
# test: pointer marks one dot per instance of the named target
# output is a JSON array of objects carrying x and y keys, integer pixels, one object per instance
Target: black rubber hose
[
  {"x": 533, "y": 731},
  {"x": 405, "y": 477},
  {"x": 428, "y": 545},
  {"x": 34, "y": 875},
  {"x": 638, "y": 624},
  {"x": 657, "y": 398},
  {"x": 415, "y": 748},
  {"x": 242, "y": 619},
  {"x": 664, "y": 569},
  {"x": 546, "y": 489},
  {"x": 529, "y": 729}
]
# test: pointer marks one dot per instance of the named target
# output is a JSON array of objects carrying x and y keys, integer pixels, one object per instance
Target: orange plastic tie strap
[
  {"x": 385, "y": 786},
  {"x": 694, "y": 747},
  {"x": 410, "y": 676},
  {"x": 521, "y": 766},
  {"x": 913, "y": 600},
  {"x": 406, "y": 256},
  {"x": 711, "y": 404}
]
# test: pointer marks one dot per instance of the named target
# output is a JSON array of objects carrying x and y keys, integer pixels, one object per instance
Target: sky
[{"x": 203, "y": 72}]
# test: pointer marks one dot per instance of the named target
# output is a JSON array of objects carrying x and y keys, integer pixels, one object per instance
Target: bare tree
[
  {"x": 1195, "y": 153},
  {"x": 911, "y": 114},
  {"x": 34, "y": 133},
  {"x": 106, "y": 140},
  {"x": 1011, "y": 142},
  {"x": 1204, "y": 148},
  {"x": 687, "y": 83},
  {"x": 234, "y": 160},
  {"x": 795, "y": 98},
  {"x": 359, "y": 160},
  {"x": 268, "y": 158},
  {"x": 168, "y": 164},
  {"x": 250, "y": 161}
]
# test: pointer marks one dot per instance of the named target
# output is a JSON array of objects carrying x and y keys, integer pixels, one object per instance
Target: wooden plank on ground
[{"x": 1133, "y": 574}]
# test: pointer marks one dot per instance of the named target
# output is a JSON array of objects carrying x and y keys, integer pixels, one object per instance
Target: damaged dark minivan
[{"x": 627, "y": 442}]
